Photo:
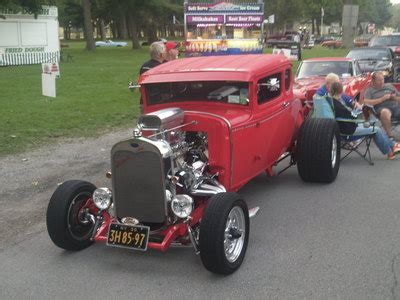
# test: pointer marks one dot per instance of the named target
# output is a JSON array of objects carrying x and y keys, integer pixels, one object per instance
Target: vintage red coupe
[
  {"x": 211, "y": 124},
  {"x": 311, "y": 76}
]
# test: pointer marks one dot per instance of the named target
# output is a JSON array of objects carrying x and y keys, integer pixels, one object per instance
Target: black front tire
[
  {"x": 316, "y": 160},
  {"x": 213, "y": 233},
  {"x": 63, "y": 224}
]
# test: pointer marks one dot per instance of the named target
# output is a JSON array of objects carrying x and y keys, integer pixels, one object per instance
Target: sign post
[{"x": 50, "y": 71}]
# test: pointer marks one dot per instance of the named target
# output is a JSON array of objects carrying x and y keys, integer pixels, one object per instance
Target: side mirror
[{"x": 132, "y": 86}]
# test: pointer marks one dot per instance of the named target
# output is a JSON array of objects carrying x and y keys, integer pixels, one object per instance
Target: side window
[
  {"x": 288, "y": 78},
  {"x": 269, "y": 88},
  {"x": 357, "y": 68},
  {"x": 392, "y": 56}
]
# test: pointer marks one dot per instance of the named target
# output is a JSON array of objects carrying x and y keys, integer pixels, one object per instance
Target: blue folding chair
[
  {"x": 323, "y": 108},
  {"x": 352, "y": 143}
]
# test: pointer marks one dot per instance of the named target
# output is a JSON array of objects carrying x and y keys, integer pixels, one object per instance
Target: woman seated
[{"x": 385, "y": 145}]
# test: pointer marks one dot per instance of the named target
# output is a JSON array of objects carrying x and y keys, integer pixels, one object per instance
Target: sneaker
[
  {"x": 396, "y": 148},
  {"x": 391, "y": 156}
]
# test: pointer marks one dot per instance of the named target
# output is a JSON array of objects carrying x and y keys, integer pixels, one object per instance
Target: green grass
[{"x": 92, "y": 97}]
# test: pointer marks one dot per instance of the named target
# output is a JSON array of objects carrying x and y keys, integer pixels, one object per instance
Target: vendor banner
[
  {"x": 224, "y": 7},
  {"x": 198, "y": 19},
  {"x": 244, "y": 19}
]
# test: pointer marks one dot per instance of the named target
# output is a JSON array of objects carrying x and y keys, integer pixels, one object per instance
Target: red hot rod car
[
  {"x": 211, "y": 124},
  {"x": 312, "y": 72}
]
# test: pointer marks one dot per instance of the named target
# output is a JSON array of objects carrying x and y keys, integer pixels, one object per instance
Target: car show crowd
[{"x": 377, "y": 103}]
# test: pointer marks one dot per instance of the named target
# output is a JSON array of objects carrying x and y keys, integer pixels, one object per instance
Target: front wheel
[
  {"x": 318, "y": 150},
  {"x": 67, "y": 222},
  {"x": 224, "y": 233}
]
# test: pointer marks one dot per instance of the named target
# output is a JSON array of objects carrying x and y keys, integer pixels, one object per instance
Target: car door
[{"x": 274, "y": 115}]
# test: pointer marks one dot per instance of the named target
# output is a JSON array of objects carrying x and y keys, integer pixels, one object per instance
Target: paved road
[{"x": 311, "y": 241}]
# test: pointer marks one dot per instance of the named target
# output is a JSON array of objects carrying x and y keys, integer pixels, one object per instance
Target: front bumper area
[{"x": 170, "y": 234}]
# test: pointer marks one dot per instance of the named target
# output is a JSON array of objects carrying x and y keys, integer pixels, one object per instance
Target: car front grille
[{"x": 138, "y": 181}]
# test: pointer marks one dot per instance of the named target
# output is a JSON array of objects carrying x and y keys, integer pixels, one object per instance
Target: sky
[{"x": 395, "y": 1}]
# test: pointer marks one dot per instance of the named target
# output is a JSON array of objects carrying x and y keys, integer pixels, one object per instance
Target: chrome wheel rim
[
  {"x": 79, "y": 230},
  {"x": 334, "y": 151},
  {"x": 235, "y": 233}
]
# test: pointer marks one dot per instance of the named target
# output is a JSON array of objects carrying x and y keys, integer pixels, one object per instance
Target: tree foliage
[{"x": 151, "y": 19}]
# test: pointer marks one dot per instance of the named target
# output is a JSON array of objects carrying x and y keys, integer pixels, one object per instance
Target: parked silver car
[{"x": 110, "y": 43}]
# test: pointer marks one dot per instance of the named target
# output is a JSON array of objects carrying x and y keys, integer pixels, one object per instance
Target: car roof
[
  {"x": 328, "y": 59},
  {"x": 227, "y": 67},
  {"x": 385, "y": 35},
  {"x": 370, "y": 48}
]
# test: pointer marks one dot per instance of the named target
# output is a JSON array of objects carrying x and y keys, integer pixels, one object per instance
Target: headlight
[
  {"x": 182, "y": 206},
  {"x": 102, "y": 198}
]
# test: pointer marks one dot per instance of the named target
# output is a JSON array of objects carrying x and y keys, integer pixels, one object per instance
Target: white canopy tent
[{"x": 25, "y": 39}]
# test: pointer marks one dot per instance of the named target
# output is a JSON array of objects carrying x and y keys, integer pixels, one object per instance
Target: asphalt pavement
[{"x": 309, "y": 241}]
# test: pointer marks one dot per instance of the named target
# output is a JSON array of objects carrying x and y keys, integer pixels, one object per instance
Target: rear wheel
[
  {"x": 224, "y": 233},
  {"x": 67, "y": 221},
  {"x": 318, "y": 150}
]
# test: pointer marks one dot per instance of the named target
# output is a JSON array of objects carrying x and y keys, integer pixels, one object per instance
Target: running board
[{"x": 253, "y": 211}]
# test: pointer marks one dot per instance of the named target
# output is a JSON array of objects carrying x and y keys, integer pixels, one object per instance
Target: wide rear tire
[
  {"x": 224, "y": 233},
  {"x": 318, "y": 150},
  {"x": 64, "y": 224}
]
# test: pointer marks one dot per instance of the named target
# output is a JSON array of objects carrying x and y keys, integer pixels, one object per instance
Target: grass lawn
[{"x": 92, "y": 96}]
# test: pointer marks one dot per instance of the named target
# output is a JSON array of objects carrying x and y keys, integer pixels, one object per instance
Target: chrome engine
[{"x": 159, "y": 173}]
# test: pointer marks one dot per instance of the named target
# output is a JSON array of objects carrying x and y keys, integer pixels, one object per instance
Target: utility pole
[
  {"x": 322, "y": 20},
  {"x": 349, "y": 22}
]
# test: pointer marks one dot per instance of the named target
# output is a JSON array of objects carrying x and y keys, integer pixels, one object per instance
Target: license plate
[{"x": 128, "y": 236}]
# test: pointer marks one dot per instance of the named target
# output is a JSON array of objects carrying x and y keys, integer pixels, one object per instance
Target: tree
[
  {"x": 395, "y": 20},
  {"x": 88, "y": 28},
  {"x": 70, "y": 15}
]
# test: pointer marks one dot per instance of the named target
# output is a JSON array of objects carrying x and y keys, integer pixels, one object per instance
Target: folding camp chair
[
  {"x": 352, "y": 143},
  {"x": 323, "y": 108},
  {"x": 370, "y": 113}
]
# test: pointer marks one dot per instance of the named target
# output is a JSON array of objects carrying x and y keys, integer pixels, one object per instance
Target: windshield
[
  {"x": 211, "y": 91},
  {"x": 323, "y": 68},
  {"x": 392, "y": 40},
  {"x": 369, "y": 54}
]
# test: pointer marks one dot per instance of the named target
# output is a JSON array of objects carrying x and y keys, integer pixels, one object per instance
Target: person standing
[
  {"x": 157, "y": 57},
  {"x": 172, "y": 51}
]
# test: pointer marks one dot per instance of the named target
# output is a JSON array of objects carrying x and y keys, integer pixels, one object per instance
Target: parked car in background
[
  {"x": 362, "y": 40},
  {"x": 312, "y": 72},
  {"x": 333, "y": 44},
  {"x": 311, "y": 42},
  {"x": 392, "y": 41},
  {"x": 323, "y": 38},
  {"x": 110, "y": 43},
  {"x": 376, "y": 59}
]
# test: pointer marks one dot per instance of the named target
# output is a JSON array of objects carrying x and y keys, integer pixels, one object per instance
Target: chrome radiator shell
[
  {"x": 138, "y": 180},
  {"x": 162, "y": 119}
]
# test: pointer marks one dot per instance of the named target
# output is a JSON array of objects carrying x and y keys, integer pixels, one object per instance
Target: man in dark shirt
[{"x": 157, "y": 55}]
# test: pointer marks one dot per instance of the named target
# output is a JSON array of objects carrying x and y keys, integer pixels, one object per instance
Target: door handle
[{"x": 285, "y": 104}]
